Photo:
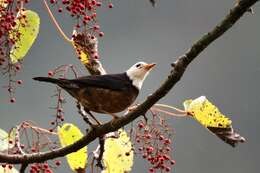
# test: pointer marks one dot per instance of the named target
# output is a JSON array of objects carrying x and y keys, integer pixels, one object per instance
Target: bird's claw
[{"x": 131, "y": 108}]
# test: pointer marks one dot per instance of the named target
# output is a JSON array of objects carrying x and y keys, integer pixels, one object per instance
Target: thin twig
[
  {"x": 101, "y": 152},
  {"x": 55, "y": 22},
  {"x": 169, "y": 113},
  {"x": 171, "y": 107},
  {"x": 84, "y": 113}
]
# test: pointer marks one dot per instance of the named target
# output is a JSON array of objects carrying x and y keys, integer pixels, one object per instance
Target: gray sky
[{"x": 227, "y": 72}]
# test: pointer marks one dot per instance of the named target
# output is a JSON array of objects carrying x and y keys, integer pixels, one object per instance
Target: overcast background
[{"x": 227, "y": 72}]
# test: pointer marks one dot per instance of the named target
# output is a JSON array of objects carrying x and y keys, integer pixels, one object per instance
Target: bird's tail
[
  {"x": 48, "y": 79},
  {"x": 63, "y": 83}
]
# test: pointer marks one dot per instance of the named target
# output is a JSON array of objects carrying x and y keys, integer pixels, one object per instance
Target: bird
[{"x": 108, "y": 93}]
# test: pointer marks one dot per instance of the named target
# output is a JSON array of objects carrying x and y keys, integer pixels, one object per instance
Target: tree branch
[{"x": 179, "y": 68}]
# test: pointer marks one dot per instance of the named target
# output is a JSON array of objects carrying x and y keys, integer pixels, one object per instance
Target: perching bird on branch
[{"x": 108, "y": 94}]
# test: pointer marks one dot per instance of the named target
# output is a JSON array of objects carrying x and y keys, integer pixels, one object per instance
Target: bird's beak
[{"x": 149, "y": 66}]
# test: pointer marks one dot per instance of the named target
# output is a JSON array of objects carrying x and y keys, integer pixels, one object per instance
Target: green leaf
[
  {"x": 29, "y": 31},
  {"x": 69, "y": 134}
]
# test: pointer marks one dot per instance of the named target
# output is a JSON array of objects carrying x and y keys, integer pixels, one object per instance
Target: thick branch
[{"x": 175, "y": 75}]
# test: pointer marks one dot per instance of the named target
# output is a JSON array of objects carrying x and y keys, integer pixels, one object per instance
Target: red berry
[
  {"x": 57, "y": 162},
  {"x": 98, "y": 4},
  {"x": 96, "y": 27},
  {"x": 167, "y": 169},
  {"x": 50, "y": 73},
  {"x": 168, "y": 149},
  {"x": 12, "y": 100},
  {"x": 22, "y": 146},
  {"x": 161, "y": 159},
  {"x": 18, "y": 67},
  {"x": 45, "y": 165},
  {"x": 61, "y": 99},
  {"x": 96, "y": 56},
  {"x": 166, "y": 157},
  {"x": 101, "y": 34},
  {"x": 60, "y": 10},
  {"x": 33, "y": 149},
  {"x": 151, "y": 170},
  {"x": 19, "y": 82},
  {"x": 110, "y": 5},
  {"x": 150, "y": 149},
  {"x": 161, "y": 137},
  {"x": 145, "y": 155},
  {"x": 60, "y": 110},
  {"x": 148, "y": 136},
  {"x": 141, "y": 125},
  {"x": 167, "y": 141},
  {"x": 173, "y": 162},
  {"x": 10, "y": 166}
]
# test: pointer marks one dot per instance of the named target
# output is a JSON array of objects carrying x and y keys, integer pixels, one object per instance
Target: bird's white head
[{"x": 138, "y": 72}]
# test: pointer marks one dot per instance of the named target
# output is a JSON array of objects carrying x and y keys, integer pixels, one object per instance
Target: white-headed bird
[{"x": 109, "y": 93}]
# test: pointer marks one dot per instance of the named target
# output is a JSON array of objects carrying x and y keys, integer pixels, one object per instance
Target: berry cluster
[
  {"x": 9, "y": 35},
  {"x": 60, "y": 72},
  {"x": 153, "y": 141},
  {"x": 44, "y": 167},
  {"x": 84, "y": 11},
  {"x": 88, "y": 44},
  {"x": 28, "y": 138}
]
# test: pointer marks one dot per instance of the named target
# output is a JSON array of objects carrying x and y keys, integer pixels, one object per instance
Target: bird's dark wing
[{"x": 108, "y": 81}]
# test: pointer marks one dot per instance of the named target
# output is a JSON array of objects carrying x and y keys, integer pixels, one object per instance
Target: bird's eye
[{"x": 138, "y": 65}]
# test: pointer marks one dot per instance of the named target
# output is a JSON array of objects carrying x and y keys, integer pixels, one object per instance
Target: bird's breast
[{"x": 107, "y": 101}]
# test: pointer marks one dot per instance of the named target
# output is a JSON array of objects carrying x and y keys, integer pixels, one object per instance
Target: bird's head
[{"x": 138, "y": 72}]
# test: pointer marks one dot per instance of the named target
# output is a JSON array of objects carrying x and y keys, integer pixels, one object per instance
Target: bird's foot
[
  {"x": 131, "y": 108},
  {"x": 114, "y": 116},
  {"x": 84, "y": 113}
]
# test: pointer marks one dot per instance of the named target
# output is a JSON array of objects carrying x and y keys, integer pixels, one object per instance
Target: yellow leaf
[
  {"x": 84, "y": 57},
  {"x": 206, "y": 113},
  {"x": 3, "y": 4},
  {"x": 5, "y": 138},
  {"x": 7, "y": 170},
  {"x": 69, "y": 134},
  {"x": 118, "y": 156}
]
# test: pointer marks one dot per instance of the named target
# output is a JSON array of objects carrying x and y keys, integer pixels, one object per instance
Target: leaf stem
[
  {"x": 170, "y": 113},
  {"x": 56, "y": 23},
  {"x": 171, "y": 107}
]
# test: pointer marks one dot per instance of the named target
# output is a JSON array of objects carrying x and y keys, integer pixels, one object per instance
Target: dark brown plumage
[{"x": 102, "y": 94}]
